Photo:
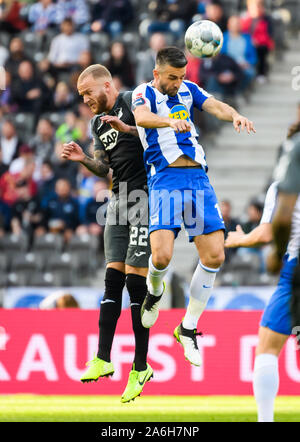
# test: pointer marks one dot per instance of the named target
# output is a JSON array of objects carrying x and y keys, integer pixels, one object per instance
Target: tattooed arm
[{"x": 99, "y": 165}]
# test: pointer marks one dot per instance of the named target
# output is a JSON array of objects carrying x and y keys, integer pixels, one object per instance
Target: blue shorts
[
  {"x": 183, "y": 196},
  {"x": 277, "y": 314}
]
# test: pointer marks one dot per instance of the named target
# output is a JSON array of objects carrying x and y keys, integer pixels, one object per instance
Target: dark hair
[
  {"x": 293, "y": 129},
  {"x": 172, "y": 56}
]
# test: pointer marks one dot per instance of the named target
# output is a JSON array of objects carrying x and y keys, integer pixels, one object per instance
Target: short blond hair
[{"x": 96, "y": 71}]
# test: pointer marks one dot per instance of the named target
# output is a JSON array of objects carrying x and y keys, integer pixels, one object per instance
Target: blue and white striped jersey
[{"x": 163, "y": 146}]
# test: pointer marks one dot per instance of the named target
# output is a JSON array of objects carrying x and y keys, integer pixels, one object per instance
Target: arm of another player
[
  {"x": 119, "y": 125},
  {"x": 224, "y": 112},
  {"x": 281, "y": 227},
  {"x": 149, "y": 120},
  {"x": 99, "y": 165},
  {"x": 261, "y": 235}
]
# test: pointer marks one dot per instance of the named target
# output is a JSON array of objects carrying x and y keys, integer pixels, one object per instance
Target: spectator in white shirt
[
  {"x": 66, "y": 47},
  {"x": 9, "y": 141}
]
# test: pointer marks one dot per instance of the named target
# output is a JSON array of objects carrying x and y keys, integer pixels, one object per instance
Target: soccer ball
[{"x": 204, "y": 39}]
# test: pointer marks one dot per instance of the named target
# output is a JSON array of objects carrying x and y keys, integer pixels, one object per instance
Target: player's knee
[
  {"x": 161, "y": 259},
  {"x": 214, "y": 260}
]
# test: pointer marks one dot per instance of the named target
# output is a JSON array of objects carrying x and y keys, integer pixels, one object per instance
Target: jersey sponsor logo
[
  {"x": 179, "y": 112},
  {"x": 109, "y": 139}
]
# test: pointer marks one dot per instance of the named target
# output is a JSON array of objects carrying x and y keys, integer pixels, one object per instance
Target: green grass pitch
[{"x": 35, "y": 408}]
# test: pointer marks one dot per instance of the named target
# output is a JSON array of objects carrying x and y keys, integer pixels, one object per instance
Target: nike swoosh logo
[
  {"x": 143, "y": 381},
  {"x": 107, "y": 300},
  {"x": 206, "y": 286},
  {"x": 139, "y": 253},
  {"x": 159, "y": 102}
]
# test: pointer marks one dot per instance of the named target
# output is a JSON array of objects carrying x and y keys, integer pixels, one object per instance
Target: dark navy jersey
[{"x": 124, "y": 151}]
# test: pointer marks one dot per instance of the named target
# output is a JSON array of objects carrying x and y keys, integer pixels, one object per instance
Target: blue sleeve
[{"x": 199, "y": 95}]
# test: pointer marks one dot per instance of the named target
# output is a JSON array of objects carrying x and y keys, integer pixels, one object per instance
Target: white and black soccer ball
[{"x": 204, "y": 39}]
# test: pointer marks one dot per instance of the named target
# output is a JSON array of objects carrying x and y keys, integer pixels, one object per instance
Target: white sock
[
  {"x": 265, "y": 385},
  {"x": 155, "y": 279},
  {"x": 200, "y": 290}
]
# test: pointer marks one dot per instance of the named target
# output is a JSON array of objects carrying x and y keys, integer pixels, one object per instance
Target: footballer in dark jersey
[{"x": 126, "y": 245}]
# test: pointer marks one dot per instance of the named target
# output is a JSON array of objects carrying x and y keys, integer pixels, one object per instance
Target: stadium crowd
[{"x": 44, "y": 46}]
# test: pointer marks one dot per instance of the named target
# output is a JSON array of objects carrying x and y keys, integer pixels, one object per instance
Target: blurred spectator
[
  {"x": 16, "y": 56},
  {"x": 61, "y": 210},
  {"x": 6, "y": 103},
  {"x": 85, "y": 60},
  {"x": 43, "y": 141},
  {"x": 65, "y": 48},
  {"x": 214, "y": 11},
  {"x": 84, "y": 139},
  {"x": 258, "y": 24},
  {"x": 10, "y": 18},
  {"x": 63, "y": 98},
  {"x": 4, "y": 54},
  {"x": 89, "y": 222},
  {"x": 120, "y": 65},
  {"x": 3, "y": 167},
  {"x": 68, "y": 130},
  {"x": 111, "y": 16},
  {"x": 254, "y": 212},
  {"x": 26, "y": 214},
  {"x": 28, "y": 90},
  {"x": 59, "y": 299},
  {"x": 240, "y": 47},
  {"x": 9, "y": 142},
  {"x": 222, "y": 75},
  {"x": 47, "y": 73},
  {"x": 9, "y": 182},
  {"x": 85, "y": 186},
  {"x": 193, "y": 69},
  {"x": 144, "y": 71},
  {"x": 76, "y": 10},
  {"x": 230, "y": 222},
  {"x": 26, "y": 155},
  {"x": 42, "y": 15},
  {"x": 47, "y": 180},
  {"x": 64, "y": 168},
  {"x": 171, "y": 16},
  {"x": 5, "y": 216}
]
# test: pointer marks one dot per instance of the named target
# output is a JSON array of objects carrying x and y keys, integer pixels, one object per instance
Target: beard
[
  {"x": 171, "y": 91},
  {"x": 99, "y": 104}
]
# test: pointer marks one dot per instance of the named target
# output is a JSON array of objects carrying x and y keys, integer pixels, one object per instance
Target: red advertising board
[{"x": 44, "y": 352}]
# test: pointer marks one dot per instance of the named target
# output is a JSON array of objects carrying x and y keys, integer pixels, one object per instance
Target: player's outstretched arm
[
  {"x": 261, "y": 235},
  {"x": 147, "y": 119},
  {"x": 224, "y": 112},
  {"x": 99, "y": 165},
  {"x": 119, "y": 125}
]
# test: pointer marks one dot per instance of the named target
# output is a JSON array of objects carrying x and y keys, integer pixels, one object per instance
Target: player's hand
[
  {"x": 72, "y": 151},
  {"x": 234, "y": 238},
  {"x": 180, "y": 125},
  {"x": 241, "y": 123},
  {"x": 115, "y": 123},
  {"x": 273, "y": 262}
]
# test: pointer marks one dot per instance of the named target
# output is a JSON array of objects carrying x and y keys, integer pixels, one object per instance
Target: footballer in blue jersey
[
  {"x": 276, "y": 322},
  {"x": 179, "y": 188}
]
